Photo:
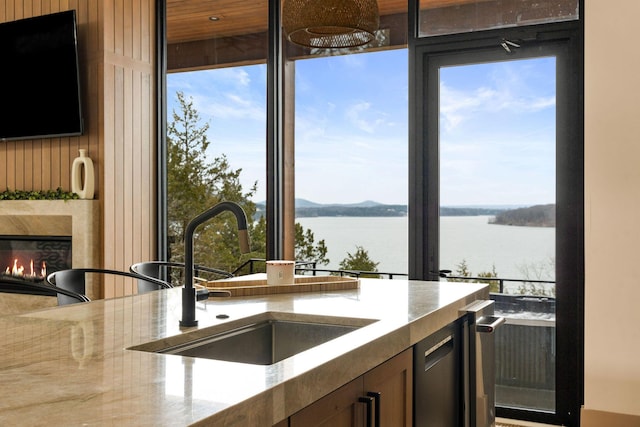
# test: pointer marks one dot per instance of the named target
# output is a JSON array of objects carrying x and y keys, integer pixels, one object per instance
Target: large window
[
  {"x": 351, "y": 155},
  {"x": 343, "y": 139},
  {"x": 216, "y": 102},
  {"x": 231, "y": 101}
]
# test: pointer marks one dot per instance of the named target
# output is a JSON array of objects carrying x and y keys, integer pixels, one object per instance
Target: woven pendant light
[{"x": 330, "y": 23}]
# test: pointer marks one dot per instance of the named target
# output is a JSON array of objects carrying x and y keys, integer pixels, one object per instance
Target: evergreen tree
[
  {"x": 462, "y": 270},
  {"x": 360, "y": 261},
  {"x": 494, "y": 285},
  {"x": 194, "y": 185},
  {"x": 306, "y": 248}
]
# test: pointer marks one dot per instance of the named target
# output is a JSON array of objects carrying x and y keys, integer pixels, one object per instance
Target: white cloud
[
  {"x": 363, "y": 117},
  {"x": 354, "y": 114},
  {"x": 458, "y": 106},
  {"x": 229, "y": 105},
  {"x": 236, "y": 76}
]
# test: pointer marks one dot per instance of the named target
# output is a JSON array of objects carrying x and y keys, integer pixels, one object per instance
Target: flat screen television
[{"x": 39, "y": 77}]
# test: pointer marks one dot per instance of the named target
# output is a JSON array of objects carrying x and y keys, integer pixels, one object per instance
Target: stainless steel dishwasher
[
  {"x": 438, "y": 364},
  {"x": 454, "y": 371}
]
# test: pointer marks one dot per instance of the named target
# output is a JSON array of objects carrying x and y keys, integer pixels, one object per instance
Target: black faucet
[{"x": 189, "y": 292}]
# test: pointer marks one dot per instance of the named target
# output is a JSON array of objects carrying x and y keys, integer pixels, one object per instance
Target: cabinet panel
[
  {"x": 394, "y": 381},
  {"x": 338, "y": 409}
]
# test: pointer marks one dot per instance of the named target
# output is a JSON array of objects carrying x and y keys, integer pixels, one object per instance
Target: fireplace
[
  {"x": 77, "y": 221},
  {"x": 33, "y": 257}
]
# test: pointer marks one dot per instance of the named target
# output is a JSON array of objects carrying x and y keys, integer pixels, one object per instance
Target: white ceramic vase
[{"x": 82, "y": 184}]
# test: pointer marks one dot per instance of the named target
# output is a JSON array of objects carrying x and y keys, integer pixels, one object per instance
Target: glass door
[
  {"x": 497, "y": 137},
  {"x": 496, "y": 173}
]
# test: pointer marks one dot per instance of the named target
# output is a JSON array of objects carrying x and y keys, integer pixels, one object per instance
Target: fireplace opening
[{"x": 33, "y": 257}]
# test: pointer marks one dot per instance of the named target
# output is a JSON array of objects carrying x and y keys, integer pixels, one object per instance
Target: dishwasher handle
[
  {"x": 488, "y": 324},
  {"x": 438, "y": 352}
]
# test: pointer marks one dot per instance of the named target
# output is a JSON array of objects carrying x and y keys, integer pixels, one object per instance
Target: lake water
[{"x": 516, "y": 252}]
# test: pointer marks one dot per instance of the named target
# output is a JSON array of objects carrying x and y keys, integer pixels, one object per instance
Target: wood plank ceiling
[
  {"x": 188, "y": 20},
  {"x": 238, "y": 34}
]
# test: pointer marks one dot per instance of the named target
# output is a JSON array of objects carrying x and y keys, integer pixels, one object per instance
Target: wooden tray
[{"x": 244, "y": 288}]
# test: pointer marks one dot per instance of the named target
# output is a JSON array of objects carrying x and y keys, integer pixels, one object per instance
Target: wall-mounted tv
[{"x": 39, "y": 77}]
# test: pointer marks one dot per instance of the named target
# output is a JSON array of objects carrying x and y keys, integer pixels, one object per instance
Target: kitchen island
[{"x": 72, "y": 366}]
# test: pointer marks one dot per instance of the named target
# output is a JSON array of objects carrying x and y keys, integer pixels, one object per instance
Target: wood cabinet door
[
  {"x": 337, "y": 409},
  {"x": 393, "y": 380},
  {"x": 391, "y": 385}
]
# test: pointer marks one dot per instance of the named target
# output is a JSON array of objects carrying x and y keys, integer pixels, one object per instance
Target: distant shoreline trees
[
  {"x": 379, "y": 210},
  {"x": 534, "y": 216}
]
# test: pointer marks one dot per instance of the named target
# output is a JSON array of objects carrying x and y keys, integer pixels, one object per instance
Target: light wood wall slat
[
  {"x": 110, "y": 185},
  {"x": 28, "y": 165},
  {"x": 148, "y": 160},
  {"x": 136, "y": 149},
  {"x": 46, "y": 166},
  {"x": 4, "y": 173},
  {"x": 38, "y": 164},
  {"x": 128, "y": 180},
  {"x": 118, "y": 28}
]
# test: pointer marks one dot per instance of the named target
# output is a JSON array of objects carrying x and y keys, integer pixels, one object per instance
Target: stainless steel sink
[{"x": 261, "y": 340}]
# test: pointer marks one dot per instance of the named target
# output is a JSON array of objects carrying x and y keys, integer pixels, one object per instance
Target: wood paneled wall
[
  {"x": 116, "y": 41},
  {"x": 129, "y": 131},
  {"x": 45, "y": 164}
]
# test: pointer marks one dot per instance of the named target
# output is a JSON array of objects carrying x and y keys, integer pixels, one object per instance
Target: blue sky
[
  {"x": 497, "y": 124},
  {"x": 497, "y": 128}
]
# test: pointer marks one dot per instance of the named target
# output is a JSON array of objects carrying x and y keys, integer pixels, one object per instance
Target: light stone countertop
[{"x": 69, "y": 366}]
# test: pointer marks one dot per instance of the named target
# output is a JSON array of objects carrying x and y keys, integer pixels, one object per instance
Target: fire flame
[{"x": 19, "y": 270}]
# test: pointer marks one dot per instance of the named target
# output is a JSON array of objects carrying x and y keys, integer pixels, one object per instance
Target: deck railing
[{"x": 256, "y": 265}]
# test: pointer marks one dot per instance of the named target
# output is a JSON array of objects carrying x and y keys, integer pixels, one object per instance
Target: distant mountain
[
  {"x": 365, "y": 204},
  {"x": 303, "y": 203}
]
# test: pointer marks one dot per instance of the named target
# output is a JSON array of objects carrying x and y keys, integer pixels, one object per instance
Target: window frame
[{"x": 424, "y": 189}]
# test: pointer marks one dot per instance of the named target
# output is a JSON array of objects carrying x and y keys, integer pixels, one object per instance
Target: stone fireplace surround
[{"x": 78, "y": 219}]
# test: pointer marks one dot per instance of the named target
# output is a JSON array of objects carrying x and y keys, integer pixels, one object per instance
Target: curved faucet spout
[{"x": 189, "y": 292}]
